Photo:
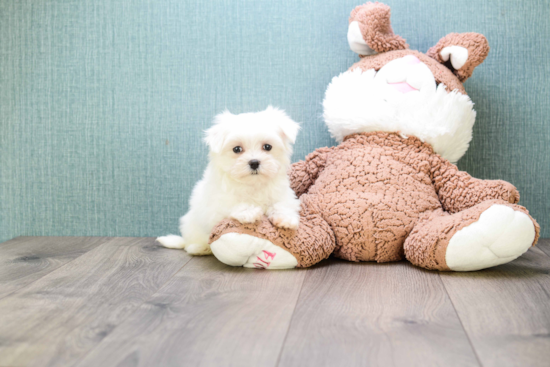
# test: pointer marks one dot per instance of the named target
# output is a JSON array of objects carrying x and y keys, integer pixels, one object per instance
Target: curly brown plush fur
[
  {"x": 362, "y": 199},
  {"x": 375, "y": 26},
  {"x": 475, "y": 43},
  {"x": 382, "y": 196}
]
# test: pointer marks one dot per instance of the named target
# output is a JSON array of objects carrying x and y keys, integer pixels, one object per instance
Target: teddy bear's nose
[{"x": 411, "y": 59}]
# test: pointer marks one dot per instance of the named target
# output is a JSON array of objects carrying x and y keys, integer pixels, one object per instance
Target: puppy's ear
[
  {"x": 215, "y": 136},
  {"x": 288, "y": 127},
  {"x": 461, "y": 52}
]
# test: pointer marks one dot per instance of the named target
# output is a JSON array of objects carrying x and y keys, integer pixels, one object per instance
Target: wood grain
[
  {"x": 544, "y": 245},
  {"x": 367, "y": 314},
  {"x": 506, "y": 310},
  {"x": 209, "y": 314},
  {"x": 23, "y": 260},
  {"x": 126, "y": 301},
  {"x": 59, "y": 318}
]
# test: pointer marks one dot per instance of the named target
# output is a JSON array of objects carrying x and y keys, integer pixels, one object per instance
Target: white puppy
[{"x": 246, "y": 178}]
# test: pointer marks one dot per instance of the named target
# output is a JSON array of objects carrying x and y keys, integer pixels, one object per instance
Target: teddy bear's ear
[
  {"x": 215, "y": 136},
  {"x": 461, "y": 52},
  {"x": 370, "y": 31}
]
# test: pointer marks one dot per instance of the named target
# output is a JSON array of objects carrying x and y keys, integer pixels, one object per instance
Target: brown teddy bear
[{"x": 390, "y": 189}]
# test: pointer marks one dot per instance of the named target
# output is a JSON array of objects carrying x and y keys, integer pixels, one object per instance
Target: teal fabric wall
[{"x": 103, "y": 102}]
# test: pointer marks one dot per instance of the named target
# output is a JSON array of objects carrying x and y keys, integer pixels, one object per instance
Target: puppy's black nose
[{"x": 254, "y": 164}]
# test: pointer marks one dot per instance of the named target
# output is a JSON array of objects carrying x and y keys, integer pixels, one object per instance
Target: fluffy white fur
[
  {"x": 230, "y": 188},
  {"x": 357, "y": 101}
]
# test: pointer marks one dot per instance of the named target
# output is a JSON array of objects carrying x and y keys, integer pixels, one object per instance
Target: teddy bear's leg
[
  {"x": 263, "y": 245},
  {"x": 491, "y": 233},
  {"x": 242, "y": 249}
]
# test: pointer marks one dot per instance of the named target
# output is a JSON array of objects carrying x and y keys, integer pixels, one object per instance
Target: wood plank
[
  {"x": 23, "y": 260},
  {"x": 368, "y": 314},
  {"x": 209, "y": 314},
  {"x": 544, "y": 245},
  {"x": 506, "y": 310},
  {"x": 62, "y": 316}
]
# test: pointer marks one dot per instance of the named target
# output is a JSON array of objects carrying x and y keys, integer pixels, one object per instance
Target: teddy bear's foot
[
  {"x": 264, "y": 245},
  {"x": 488, "y": 234},
  {"x": 238, "y": 249},
  {"x": 500, "y": 235}
]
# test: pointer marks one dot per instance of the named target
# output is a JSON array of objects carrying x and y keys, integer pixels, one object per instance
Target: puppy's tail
[{"x": 171, "y": 241}]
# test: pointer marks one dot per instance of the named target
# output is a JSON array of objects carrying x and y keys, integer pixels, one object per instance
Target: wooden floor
[{"x": 95, "y": 301}]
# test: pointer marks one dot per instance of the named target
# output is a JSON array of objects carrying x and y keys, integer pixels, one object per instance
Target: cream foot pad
[
  {"x": 237, "y": 249},
  {"x": 500, "y": 235}
]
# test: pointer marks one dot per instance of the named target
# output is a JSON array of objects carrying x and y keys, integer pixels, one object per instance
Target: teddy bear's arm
[
  {"x": 457, "y": 190},
  {"x": 304, "y": 173}
]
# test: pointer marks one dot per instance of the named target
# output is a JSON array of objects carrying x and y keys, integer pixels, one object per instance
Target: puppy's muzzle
[{"x": 254, "y": 165}]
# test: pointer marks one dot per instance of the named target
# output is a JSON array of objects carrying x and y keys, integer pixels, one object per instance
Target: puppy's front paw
[
  {"x": 247, "y": 214},
  {"x": 285, "y": 220}
]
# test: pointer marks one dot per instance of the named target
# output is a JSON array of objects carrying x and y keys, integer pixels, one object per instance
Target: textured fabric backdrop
[{"x": 103, "y": 102}]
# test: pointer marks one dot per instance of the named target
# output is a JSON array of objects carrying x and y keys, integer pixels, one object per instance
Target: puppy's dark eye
[
  {"x": 237, "y": 149},
  {"x": 267, "y": 147}
]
